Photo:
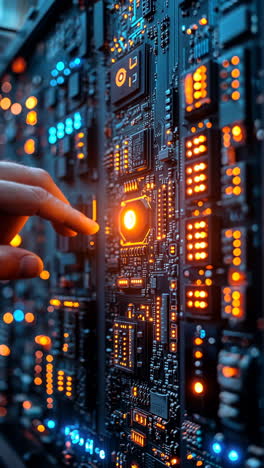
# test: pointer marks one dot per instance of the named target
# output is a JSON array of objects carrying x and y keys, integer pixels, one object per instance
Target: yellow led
[{"x": 130, "y": 219}]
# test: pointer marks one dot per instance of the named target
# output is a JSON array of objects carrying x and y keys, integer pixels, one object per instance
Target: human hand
[{"x": 27, "y": 191}]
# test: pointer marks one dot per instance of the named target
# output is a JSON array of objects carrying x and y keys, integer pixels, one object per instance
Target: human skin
[{"x": 24, "y": 192}]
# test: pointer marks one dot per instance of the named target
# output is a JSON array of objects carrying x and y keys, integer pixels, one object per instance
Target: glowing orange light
[
  {"x": 18, "y": 65},
  {"x": 198, "y": 354},
  {"x": 203, "y": 21},
  {"x": 120, "y": 77},
  {"x": 5, "y": 103},
  {"x": 80, "y": 156},
  {"x": 4, "y": 350},
  {"x": 229, "y": 372},
  {"x": 27, "y": 404},
  {"x": 130, "y": 219},
  {"x": 16, "y": 108},
  {"x": 16, "y": 241},
  {"x": 235, "y": 60},
  {"x": 198, "y": 387},
  {"x": 29, "y": 317},
  {"x": 43, "y": 340},
  {"x": 8, "y": 317},
  {"x": 44, "y": 275},
  {"x": 37, "y": 381},
  {"x": 198, "y": 341},
  {"x": 31, "y": 102},
  {"x": 32, "y": 118},
  {"x": 235, "y": 95},
  {"x": 29, "y": 146},
  {"x": 41, "y": 428}
]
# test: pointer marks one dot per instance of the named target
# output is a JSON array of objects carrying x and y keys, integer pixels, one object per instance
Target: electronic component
[{"x": 128, "y": 78}]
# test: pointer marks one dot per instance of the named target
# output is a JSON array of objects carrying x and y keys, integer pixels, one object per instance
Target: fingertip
[
  {"x": 30, "y": 266},
  {"x": 94, "y": 228}
]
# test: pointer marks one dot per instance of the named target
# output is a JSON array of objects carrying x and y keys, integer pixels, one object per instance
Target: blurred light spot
[{"x": 16, "y": 108}]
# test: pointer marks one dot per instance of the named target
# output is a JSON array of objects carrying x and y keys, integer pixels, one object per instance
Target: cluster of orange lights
[
  {"x": 230, "y": 71},
  {"x": 49, "y": 377},
  {"x": 196, "y": 146},
  {"x": 197, "y": 240},
  {"x": 196, "y": 178},
  {"x": 158, "y": 318},
  {"x": 195, "y": 89},
  {"x": 233, "y": 302},
  {"x": 203, "y": 21},
  {"x": 235, "y": 248},
  {"x": 123, "y": 337},
  {"x": 138, "y": 438},
  {"x": 197, "y": 299},
  {"x": 140, "y": 418},
  {"x": 70, "y": 304},
  {"x": 38, "y": 368},
  {"x": 233, "y": 181},
  {"x": 80, "y": 145},
  {"x": 234, "y": 134}
]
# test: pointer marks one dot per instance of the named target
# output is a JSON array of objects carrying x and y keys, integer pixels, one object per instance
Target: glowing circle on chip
[
  {"x": 130, "y": 219},
  {"x": 233, "y": 456}
]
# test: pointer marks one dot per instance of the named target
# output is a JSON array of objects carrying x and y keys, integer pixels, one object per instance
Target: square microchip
[
  {"x": 128, "y": 78},
  {"x": 159, "y": 404}
]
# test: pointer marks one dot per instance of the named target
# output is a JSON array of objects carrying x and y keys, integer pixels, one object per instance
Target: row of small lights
[
  {"x": 61, "y": 67},
  {"x": 67, "y": 127}
]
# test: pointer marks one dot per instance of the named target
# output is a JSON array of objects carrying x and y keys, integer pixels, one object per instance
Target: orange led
[
  {"x": 230, "y": 372},
  {"x": 80, "y": 156},
  {"x": 8, "y": 318},
  {"x": 37, "y": 381},
  {"x": 198, "y": 387},
  {"x": 4, "y": 350},
  {"x": 45, "y": 275},
  {"x": 18, "y": 65},
  {"x": 16, "y": 108},
  {"x": 5, "y": 103},
  {"x": 29, "y": 317},
  {"x": 130, "y": 219},
  {"x": 41, "y": 428},
  {"x": 198, "y": 354},
  {"x": 235, "y": 95},
  {"x": 43, "y": 340},
  {"x": 30, "y": 146},
  {"x": 235, "y": 60},
  {"x": 198, "y": 341},
  {"x": 32, "y": 118},
  {"x": 31, "y": 102},
  {"x": 27, "y": 404}
]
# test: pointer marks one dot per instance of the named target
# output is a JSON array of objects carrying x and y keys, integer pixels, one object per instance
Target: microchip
[
  {"x": 128, "y": 79},
  {"x": 124, "y": 345},
  {"x": 159, "y": 404},
  {"x": 140, "y": 143}
]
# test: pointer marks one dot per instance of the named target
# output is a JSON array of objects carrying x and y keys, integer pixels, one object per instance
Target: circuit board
[{"x": 141, "y": 346}]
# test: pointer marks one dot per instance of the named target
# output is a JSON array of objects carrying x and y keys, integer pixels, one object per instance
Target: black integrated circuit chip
[
  {"x": 128, "y": 78},
  {"x": 140, "y": 144}
]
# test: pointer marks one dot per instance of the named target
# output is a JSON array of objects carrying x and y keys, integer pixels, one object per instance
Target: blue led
[
  {"x": 233, "y": 456},
  {"x": 52, "y": 131},
  {"x": 202, "y": 334},
  {"x": 67, "y": 430},
  {"x": 67, "y": 72},
  {"x": 51, "y": 424},
  {"x": 77, "y": 125},
  {"x": 18, "y": 315},
  {"x": 102, "y": 454},
  {"x": 89, "y": 446},
  {"x": 77, "y": 116},
  {"x": 69, "y": 130},
  {"x": 75, "y": 437},
  {"x": 60, "y": 80},
  {"x": 217, "y": 448},
  {"x": 68, "y": 121},
  {"x": 77, "y": 61},
  {"x": 52, "y": 139},
  {"x": 81, "y": 441},
  {"x": 60, "y": 126},
  {"x": 54, "y": 73},
  {"x": 60, "y": 134},
  {"x": 53, "y": 82},
  {"x": 72, "y": 65},
  {"x": 60, "y": 66}
]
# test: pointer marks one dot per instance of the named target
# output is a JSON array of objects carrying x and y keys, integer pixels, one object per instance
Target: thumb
[{"x": 18, "y": 263}]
